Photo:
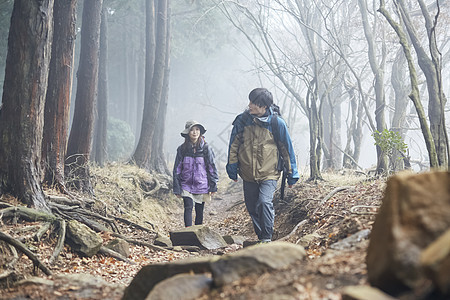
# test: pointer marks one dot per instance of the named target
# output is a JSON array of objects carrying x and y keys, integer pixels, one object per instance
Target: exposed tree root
[
  {"x": 60, "y": 243},
  {"x": 321, "y": 203},
  {"x": 128, "y": 222},
  {"x": 116, "y": 255},
  {"x": 17, "y": 244},
  {"x": 27, "y": 214},
  {"x": 44, "y": 228},
  {"x": 140, "y": 243}
]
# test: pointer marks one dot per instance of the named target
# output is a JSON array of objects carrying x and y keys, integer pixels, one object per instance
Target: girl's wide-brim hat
[{"x": 189, "y": 125}]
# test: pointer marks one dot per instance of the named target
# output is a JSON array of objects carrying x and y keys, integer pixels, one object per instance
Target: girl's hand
[
  {"x": 178, "y": 196},
  {"x": 212, "y": 194}
]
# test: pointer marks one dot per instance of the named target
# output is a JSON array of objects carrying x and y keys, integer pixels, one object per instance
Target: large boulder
[
  {"x": 182, "y": 286},
  {"x": 435, "y": 260},
  {"x": 82, "y": 239},
  {"x": 415, "y": 211},
  {"x": 197, "y": 235},
  {"x": 255, "y": 259},
  {"x": 154, "y": 279},
  {"x": 150, "y": 275}
]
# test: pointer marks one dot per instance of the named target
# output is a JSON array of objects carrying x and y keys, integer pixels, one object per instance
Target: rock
[
  {"x": 191, "y": 248},
  {"x": 224, "y": 269},
  {"x": 82, "y": 239},
  {"x": 307, "y": 239},
  {"x": 364, "y": 292},
  {"x": 255, "y": 260},
  {"x": 351, "y": 241},
  {"x": 120, "y": 246},
  {"x": 150, "y": 275},
  {"x": 163, "y": 241},
  {"x": 182, "y": 286},
  {"x": 197, "y": 235},
  {"x": 435, "y": 260},
  {"x": 234, "y": 239},
  {"x": 415, "y": 211}
]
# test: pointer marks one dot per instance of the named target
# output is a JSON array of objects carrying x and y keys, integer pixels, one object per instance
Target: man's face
[{"x": 256, "y": 110}]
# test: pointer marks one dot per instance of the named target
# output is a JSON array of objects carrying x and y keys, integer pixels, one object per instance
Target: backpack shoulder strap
[{"x": 275, "y": 129}]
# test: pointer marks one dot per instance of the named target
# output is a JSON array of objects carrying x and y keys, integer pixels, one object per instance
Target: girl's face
[
  {"x": 256, "y": 110},
  {"x": 194, "y": 134}
]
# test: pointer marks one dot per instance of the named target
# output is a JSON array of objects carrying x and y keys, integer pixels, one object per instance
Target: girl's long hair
[{"x": 187, "y": 143}]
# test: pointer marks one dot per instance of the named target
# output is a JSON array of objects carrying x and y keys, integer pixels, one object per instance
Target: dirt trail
[{"x": 320, "y": 276}]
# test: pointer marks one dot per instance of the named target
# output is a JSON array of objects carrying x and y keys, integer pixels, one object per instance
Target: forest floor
[{"x": 331, "y": 210}]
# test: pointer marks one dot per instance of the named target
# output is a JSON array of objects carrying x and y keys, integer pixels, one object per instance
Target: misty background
[{"x": 213, "y": 67}]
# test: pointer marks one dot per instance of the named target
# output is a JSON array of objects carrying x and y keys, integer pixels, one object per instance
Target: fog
[
  {"x": 213, "y": 68},
  {"x": 214, "y": 90}
]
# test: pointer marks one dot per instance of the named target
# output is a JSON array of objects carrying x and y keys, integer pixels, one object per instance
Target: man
[{"x": 257, "y": 146}]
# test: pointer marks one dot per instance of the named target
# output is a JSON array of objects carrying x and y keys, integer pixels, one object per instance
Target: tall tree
[
  {"x": 158, "y": 161},
  {"x": 100, "y": 137},
  {"x": 153, "y": 92},
  {"x": 79, "y": 145},
  {"x": 431, "y": 65},
  {"x": 22, "y": 113},
  {"x": 57, "y": 103},
  {"x": 377, "y": 67},
  {"x": 414, "y": 95}
]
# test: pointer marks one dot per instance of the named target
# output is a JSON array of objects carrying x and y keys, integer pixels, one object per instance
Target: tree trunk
[
  {"x": 22, "y": 113},
  {"x": 400, "y": 105},
  {"x": 57, "y": 103},
  {"x": 79, "y": 145},
  {"x": 143, "y": 153},
  {"x": 431, "y": 67},
  {"x": 100, "y": 140},
  {"x": 158, "y": 160},
  {"x": 377, "y": 70},
  {"x": 414, "y": 95}
]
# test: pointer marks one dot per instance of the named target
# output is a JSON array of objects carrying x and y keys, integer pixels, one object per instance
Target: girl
[{"x": 194, "y": 172}]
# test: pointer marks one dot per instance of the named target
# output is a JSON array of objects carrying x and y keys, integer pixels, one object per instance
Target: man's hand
[{"x": 290, "y": 185}]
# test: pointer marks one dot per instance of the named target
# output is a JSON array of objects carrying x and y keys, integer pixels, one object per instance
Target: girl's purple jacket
[{"x": 194, "y": 170}]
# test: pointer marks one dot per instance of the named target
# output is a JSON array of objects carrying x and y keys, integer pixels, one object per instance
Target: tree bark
[
  {"x": 431, "y": 67},
  {"x": 400, "y": 103},
  {"x": 143, "y": 153},
  {"x": 158, "y": 160},
  {"x": 22, "y": 112},
  {"x": 378, "y": 72},
  {"x": 57, "y": 103},
  {"x": 414, "y": 95},
  {"x": 100, "y": 141},
  {"x": 79, "y": 145}
]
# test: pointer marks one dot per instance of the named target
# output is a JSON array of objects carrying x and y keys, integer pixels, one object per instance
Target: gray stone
[
  {"x": 307, "y": 239},
  {"x": 351, "y": 241},
  {"x": 182, "y": 286},
  {"x": 224, "y": 269},
  {"x": 120, "y": 246},
  {"x": 150, "y": 275},
  {"x": 163, "y": 241},
  {"x": 82, "y": 239},
  {"x": 415, "y": 211},
  {"x": 234, "y": 239},
  {"x": 435, "y": 260},
  {"x": 197, "y": 235},
  {"x": 255, "y": 260}
]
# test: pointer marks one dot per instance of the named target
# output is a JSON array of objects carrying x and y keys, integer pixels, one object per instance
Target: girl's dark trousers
[{"x": 188, "y": 205}]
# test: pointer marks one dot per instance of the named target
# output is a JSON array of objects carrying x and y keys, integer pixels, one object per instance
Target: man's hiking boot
[
  {"x": 252, "y": 242},
  {"x": 248, "y": 243}
]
